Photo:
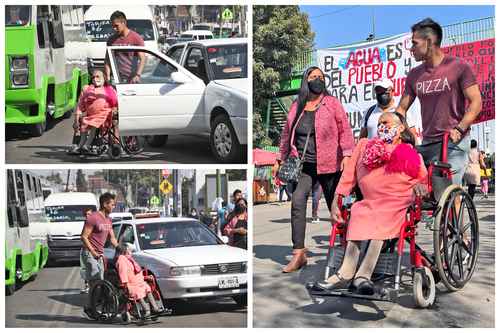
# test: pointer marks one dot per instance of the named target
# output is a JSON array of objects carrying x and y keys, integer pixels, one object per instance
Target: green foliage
[
  {"x": 280, "y": 35},
  {"x": 236, "y": 174},
  {"x": 55, "y": 178}
]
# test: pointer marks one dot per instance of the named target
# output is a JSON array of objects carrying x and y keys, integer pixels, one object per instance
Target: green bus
[
  {"x": 26, "y": 243},
  {"x": 46, "y": 63}
]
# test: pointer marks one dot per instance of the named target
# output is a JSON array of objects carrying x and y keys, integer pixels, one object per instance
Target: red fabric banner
[{"x": 481, "y": 56}]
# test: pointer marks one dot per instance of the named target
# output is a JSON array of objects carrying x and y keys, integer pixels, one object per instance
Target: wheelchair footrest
[
  {"x": 386, "y": 264},
  {"x": 383, "y": 294}
]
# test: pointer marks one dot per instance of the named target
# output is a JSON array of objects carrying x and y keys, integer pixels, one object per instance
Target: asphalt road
[
  {"x": 53, "y": 299},
  {"x": 51, "y": 147},
  {"x": 281, "y": 300}
]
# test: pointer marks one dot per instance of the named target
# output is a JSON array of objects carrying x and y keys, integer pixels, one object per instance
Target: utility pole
[{"x": 67, "y": 180}]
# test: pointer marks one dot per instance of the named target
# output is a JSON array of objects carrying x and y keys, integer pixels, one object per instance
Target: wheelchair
[
  {"x": 454, "y": 256},
  {"x": 107, "y": 141},
  {"x": 108, "y": 299}
]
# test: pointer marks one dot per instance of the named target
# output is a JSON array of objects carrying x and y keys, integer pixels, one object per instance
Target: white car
[
  {"x": 187, "y": 259},
  {"x": 125, "y": 216},
  {"x": 200, "y": 87}
]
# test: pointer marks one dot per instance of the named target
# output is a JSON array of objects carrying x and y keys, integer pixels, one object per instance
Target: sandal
[
  {"x": 340, "y": 284},
  {"x": 365, "y": 287}
]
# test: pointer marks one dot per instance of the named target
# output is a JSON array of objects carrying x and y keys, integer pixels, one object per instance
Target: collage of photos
[{"x": 249, "y": 166}]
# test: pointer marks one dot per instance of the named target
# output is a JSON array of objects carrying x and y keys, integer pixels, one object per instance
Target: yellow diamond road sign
[
  {"x": 165, "y": 186},
  {"x": 227, "y": 14}
]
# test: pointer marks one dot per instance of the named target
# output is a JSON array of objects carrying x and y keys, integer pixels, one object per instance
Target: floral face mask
[{"x": 387, "y": 134}]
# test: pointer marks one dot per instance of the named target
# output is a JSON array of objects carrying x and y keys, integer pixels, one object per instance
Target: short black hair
[
  {"x": 428, "y": 27},
  {"x": 473, "y": 143},
  {"x": 105, "y": 198},
  {"x": 236, "y": 192},
  {"x": 118, "y": 15}
]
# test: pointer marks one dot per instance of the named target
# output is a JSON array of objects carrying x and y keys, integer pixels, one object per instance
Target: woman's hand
[
  {"x": 335, "y": 212},
  {"x": 420, "y": 190},
  {"x": 344, "y": 162}
]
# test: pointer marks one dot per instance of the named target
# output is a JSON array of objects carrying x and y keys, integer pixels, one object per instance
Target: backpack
[{"x": 368, "y": 114}]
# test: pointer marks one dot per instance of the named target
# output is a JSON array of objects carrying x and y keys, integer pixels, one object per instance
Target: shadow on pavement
[{"x": 57, "y": 318}]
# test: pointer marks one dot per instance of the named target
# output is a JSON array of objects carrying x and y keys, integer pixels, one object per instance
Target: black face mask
[
  {"x": 383, "y": 99},
  {"x": 316, "y": 86}
]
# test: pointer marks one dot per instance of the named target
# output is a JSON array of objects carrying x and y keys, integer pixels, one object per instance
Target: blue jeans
[{"x": 457, "y": 156}]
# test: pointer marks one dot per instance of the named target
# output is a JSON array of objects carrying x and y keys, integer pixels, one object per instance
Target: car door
[{"x": 167, "y": 100}]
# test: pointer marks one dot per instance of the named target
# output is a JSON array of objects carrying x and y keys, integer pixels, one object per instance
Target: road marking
[{"x": 57, "y": 308}]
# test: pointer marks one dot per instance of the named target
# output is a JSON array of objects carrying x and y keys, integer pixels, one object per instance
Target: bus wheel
[
  {"x": 9, "y": 290},
  {"x": 38, "y": 129}
]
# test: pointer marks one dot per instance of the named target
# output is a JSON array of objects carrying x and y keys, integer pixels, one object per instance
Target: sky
[{"x": 338, "y": 25}]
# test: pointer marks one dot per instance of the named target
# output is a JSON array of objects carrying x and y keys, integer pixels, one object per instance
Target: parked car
[
  {"x": 115, "y": 217},
  {"x": 198, "y": 87},
  {"x": 185, "y": 257},
  {"x": 197, "y": 34}
]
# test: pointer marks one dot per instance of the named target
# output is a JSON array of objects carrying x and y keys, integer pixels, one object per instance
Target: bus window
[
  {"x": 42, "y": 26},
  {"x": 56, "y": 31},
  {"x": 17, "y": 15},
  {"x": 20, "y": 188}
]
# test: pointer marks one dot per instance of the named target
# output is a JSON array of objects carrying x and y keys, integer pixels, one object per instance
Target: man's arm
[
  {"x": 404, "y": 104},
  {"x": 87, "y": 230},
  {"x": 112, "y": 238},
  {"x": 474, "y": 96},
  {"x": 140, "y": 67}
]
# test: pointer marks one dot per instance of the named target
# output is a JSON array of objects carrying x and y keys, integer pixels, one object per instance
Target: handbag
[{"x": 290, "y": 170}]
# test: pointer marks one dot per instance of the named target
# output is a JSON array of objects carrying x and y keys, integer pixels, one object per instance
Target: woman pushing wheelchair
[{"x": 389, "y": 172}]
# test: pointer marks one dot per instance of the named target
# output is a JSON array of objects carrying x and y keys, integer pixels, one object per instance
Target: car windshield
[
  {"x": 67, "y": 213},
  {"x": 100, "y": 30},
  {"x": 164, "y": 235},
  {"x": 17, "y": 15},
  {"x": 228, "y": 61}
]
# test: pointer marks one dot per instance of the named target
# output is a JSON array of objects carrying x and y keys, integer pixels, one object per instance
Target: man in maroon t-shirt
[
  {"x": 130, "y": 64},
  {"x": 448, "y": 93},
  {"x": 96, "y": 231}
]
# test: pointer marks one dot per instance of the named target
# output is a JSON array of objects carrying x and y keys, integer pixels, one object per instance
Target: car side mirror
[
  {"x": 179, "y": 77},
  {"x": 131, "y": 247},
  {"x": 225, "y": 239}
]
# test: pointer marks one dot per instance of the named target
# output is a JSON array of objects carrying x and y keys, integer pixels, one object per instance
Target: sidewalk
[{"x": 281, "y": 300}]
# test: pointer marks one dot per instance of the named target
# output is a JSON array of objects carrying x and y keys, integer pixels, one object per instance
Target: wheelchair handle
[{"x": 444, "y": 148}]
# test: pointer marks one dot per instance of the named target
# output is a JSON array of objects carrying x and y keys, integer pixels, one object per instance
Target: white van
[
  {"x": 98, "y": 27},
  {"x": 197, "y": 34},
  {"x": 64, "y": 212}
]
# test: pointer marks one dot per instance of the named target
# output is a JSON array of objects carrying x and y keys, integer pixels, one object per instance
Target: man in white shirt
[{"x": 385, "y": 103}]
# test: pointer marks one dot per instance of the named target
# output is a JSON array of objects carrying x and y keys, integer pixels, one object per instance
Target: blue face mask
[{"x": 387, "y": 134}]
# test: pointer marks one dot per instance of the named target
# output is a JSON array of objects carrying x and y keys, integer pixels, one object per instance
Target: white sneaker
[{"x": 315, "y": 220}]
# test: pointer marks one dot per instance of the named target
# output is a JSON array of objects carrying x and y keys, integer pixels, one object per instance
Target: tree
[
  {"x": 81, "y": 182},
  {"x": 280, "y": 34},
  {"x": 55, "y": 178},
  {"x": 236, "y": 174}
]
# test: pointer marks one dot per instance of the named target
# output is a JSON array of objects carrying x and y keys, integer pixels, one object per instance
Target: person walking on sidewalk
[
  {"x": 317, "y": 128},
  {"x": 472, "y": 175},
  {"x": 485, "y": 174}
]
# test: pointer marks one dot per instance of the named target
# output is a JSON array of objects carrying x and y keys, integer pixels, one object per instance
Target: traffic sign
[
  {"x": 165, "y": 186},
  {"x": 154, "y": 201},
  {"x": 227, "y": 15}
]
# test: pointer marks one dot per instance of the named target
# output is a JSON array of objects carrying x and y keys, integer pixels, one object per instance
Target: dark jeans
[{"x": 307, "y": 178}]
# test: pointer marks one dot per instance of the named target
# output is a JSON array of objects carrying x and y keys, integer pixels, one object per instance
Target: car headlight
[
  {"x": 19, "y": 71},
  {"x": 244, "y": 267},
  {"x": 186, "y": 270}
]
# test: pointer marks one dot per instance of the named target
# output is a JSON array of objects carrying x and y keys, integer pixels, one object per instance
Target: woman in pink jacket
[
  {"x": 330, "y": 143},
  {"x": 388, "y": 171}
]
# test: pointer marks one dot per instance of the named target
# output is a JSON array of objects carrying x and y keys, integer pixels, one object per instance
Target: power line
[{"x": 334, "y": 12}]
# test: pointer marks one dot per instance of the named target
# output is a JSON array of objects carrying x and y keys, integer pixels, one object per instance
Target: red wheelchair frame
[{"x": 427, "y": 270}]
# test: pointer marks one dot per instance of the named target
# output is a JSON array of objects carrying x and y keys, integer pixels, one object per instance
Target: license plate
[{"x": 231, "y": 282}]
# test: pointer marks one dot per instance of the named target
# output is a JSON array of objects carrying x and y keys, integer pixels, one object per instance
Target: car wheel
[
  {"x": 223, "y": 140},
  {"x": 241, "y": 300},
  {"x": 156, "y": 140}
]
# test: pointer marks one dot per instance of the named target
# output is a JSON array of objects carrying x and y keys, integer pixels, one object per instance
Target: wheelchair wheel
[
  {"x": 456, "y": 237},
  {"x": 104, "y": 300},
  {"x": 424, "y": 287},
  {"x": 133, "y": 144},
  {"x": 115, "y": 151}
]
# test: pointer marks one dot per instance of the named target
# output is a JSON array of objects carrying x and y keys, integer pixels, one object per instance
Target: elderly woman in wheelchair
[{"x": 390, "y": 173}]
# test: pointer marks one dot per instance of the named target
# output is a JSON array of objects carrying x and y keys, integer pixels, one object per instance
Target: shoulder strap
[{"x": 369, "y": 113}]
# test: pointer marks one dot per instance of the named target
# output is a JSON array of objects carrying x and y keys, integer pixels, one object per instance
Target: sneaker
[
  {"x": 84, "y": 290},
  {"x": 315, "y": 220}
]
